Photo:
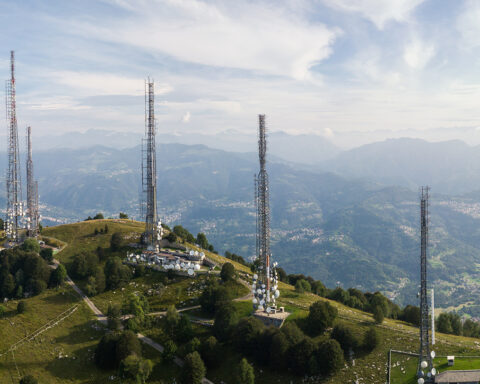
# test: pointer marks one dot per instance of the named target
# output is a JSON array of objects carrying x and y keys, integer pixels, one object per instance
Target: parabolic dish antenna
[
  {"x": 434, "y": 371},
  {"x": 432, "y": 354},
  {"x": 269, "y": 309},
  {"x": 190, "y": 272}
]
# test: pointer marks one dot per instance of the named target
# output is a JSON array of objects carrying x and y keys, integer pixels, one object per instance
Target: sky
[{"x": 353, "y": 71}]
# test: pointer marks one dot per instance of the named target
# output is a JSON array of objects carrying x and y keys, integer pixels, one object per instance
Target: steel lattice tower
[
  {"x": 424, "y": 357},
  {"x": 149, "y": 171},
  {"x": 263, "y": 209},
  {"x": 14, "y": 185},
  {"x": 32, "y": 192}
]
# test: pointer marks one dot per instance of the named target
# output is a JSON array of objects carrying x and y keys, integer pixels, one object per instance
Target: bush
[
  {"x": 228, "y": 272},
  {"x": 193, "y": 345},
  {"x": 210, "y": 351},
  {"x": 98, "y": 216},
  {"x": 116, "y": 242},
  {"x": 246, "y": 334},
  {"x": 378, "y": 314},
  {"x": 171, "y": 237},
  {"x": 28, "y": 379},
  {"x": 21, "y": 307},
  {"x": 245, "y": 373},
  {"x": 31, "y": 245},
  {"x": 321, "y": 316},
  {"x": 136, "y": 368},
  {"x": 329, "y": 357},
  {"x": 345, "y": 337},
  {"x": 122, "y": 215},
  {"x": 371, "y": 339},
  {"x": 225, "y": 318},
  {"x": 302, "y": 286},
  {"x": 194, "y": 370},
  {"x": 299, "y": 356},
  {"x": 169, "y": 350},
  {"x": 58, "y": 276},
  {"x": 47, "y": 254}
]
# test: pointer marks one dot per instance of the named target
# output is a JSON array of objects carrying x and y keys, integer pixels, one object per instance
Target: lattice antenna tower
[
  {"x": 153, "y": 227},
  {"x": 32, "y": 192},
  {"x": 14, "y": 185},
  {"x": 264, "y": 285},
  {"x": 425, "y": 371}
]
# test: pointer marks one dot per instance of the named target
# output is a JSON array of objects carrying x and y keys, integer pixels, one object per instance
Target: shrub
[
  {"x": 245, "y": 373},
  {"x": 21, "y": 307},
  {"x": 47, "y": 254},
  {"x": 136, "y": 368},
  {"x": 371, "y": 339},
  {"x": 378, "y": 314},
  {"x": 345, "y": 337},
  {"x": 169, "y": 350},
  {"x": 320, "y": 317},
  {"x": 31, "y": 245},
  {"x": 228, "y": 272},
  {"x": 58, "y": 276},
  {"x": 330, "y": 357},
  {"x": 225, "y": 318},
  {"x": 193, "y": 371},
  {"x": 116, "y": 242},
  {"x": 302, "y": 286}
]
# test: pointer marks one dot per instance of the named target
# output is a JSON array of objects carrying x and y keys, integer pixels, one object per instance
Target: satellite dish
[
  {"x": 254, "y": 301},
  {"x": 182, "y": 265},
  {"x": 420, "y": 380},
  {"x": 197, "y": 267},
  {"x": 434, "y": 371},
  {"x": 177, "y": 267},
  {"x": 192, "y": 253},
  {"x": 190, "y": 272},
  {"x": 254, "y": 286},
  {"x": 255, "y": 276},
  {"x": 259, "y": 291},
  {"x": 260, "y": 307},
  {"x": 262, "y": 302},
  {"x": 424, "y": 364},
  {"x": 269, "y": 309},
  {"x": 432, "y": 354},
  {"x": 277, "y": 293}
]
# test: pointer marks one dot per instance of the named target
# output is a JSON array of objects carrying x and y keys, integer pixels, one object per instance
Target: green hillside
[{"x": 63, "y": 354}]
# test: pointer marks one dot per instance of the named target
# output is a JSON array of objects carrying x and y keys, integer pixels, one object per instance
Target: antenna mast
[
  {"x": 153, "y": 228},
  {"x": 425, "y": 363},
  {"x": 32, "y": 192},
  {"x": 14, "y": 187}
]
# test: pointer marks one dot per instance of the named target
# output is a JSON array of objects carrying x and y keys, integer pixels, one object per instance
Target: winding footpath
[{"x": 103, "y": 319}]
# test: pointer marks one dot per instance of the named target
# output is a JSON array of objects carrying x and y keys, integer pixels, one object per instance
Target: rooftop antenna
[
  {"x": 14, "y": 185},
  {"x": 153, "y": 228},
  {"x": 425, "y": 372}
]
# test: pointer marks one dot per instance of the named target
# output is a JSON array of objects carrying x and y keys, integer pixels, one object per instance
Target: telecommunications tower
[
  {"x": 426, "y": 372},
  {"x": 264, "y": 286},
  {"x": 32, "y": 192},
  {"x": 14, "y": 185},
  {"x": 153, "y": 228}
]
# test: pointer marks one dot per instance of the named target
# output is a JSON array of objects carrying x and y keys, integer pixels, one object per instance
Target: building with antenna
[
  {"x": 153, "y": 228},
  {"x": 14, "y": 185},
  {"x": 33, "y": 218}
]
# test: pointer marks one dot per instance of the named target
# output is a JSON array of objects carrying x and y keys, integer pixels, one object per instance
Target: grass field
[{"x": 77, "y": 337}]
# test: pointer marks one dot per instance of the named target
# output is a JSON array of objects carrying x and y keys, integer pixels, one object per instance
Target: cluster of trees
[
  {"x": 239, "y": 259},
  {"x": 202, "y": 241},
  {"x": 98, "y": 216},
  {"x": 24, "y": 272},
  {"x": 122, "y": 215},
  {"x": 102, "y": 231},
  {"x": 122, "y": 351},
  {"x": 452, "y": 323}
]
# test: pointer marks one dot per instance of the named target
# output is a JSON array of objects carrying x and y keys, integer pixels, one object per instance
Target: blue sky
[{"x": 353, "y": 71}]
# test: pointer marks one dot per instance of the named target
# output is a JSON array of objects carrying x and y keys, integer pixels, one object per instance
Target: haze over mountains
[{"x": 357, "y": 227}]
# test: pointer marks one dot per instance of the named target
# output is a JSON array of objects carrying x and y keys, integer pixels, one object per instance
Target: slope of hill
[{"x": 65, "y": 351}]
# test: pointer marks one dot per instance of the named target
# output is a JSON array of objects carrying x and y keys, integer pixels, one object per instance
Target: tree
[
  {"x": 122, "y": 215},
  {"x": 302, "y": 286},
  {"x": 136, "y": 368},
  {"x": 339, "y": 294},
  {"x": 21, "y": 307},
  {"x": 116, "y": 242},
  {"x": 113, "y": 317},
  {"x": 378, "y": 314},
  {"x": 411, "y": 314},
  {"x": 116, "y": 273},
  {"x": 98, "y": 216},
  {"x": 228, "y": 272},
  {"x": 47, "y": 254},
  {"x": 225, "y": 318},
  {"x": 172, "y": 318},
  {"x": 245, "y": 373},
  {"x": 105, "y": 230},
  {"x": 184, "y": 331},
  {"x": 345, "y": 337},
  {"x": 184, "y": 234},
  {"x": 202, "y": 240},
  {"x": 194, "y": 370},
  {"x": 100, "y": 280},
  {"x": 299, "y": 356},
  {"x": 247, "y": 333},
  {"x": 58, "y": 276},
  {"x": 371, "y": 339},
  {"x": 126, "y": 345},
  {"x": 2, "y": 225},
  {"x": 28, "y": 379},
  {"x": 329, "y": 357},
  {"x": 7, "y": 284},
  {"x": 278, "y": 350},
  {"x": 321, "y": 316},
  {"x": 193, "y": 345},
  {"x": 31, "y": 245},
  {"x": 84, "y": 265},
  {"x": 169, "y": 350},
  {"x": 210, "y": 352},
  {"x": 171, "y": 237}
]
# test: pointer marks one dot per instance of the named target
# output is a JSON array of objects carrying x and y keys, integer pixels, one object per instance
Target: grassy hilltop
[{"x": 64, "y": 353}]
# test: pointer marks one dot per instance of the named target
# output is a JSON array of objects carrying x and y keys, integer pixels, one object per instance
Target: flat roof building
[{"x": 458, "y": 377}]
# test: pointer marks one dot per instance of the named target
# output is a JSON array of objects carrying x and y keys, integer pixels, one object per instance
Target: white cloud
[
  {"x": 468, "y": 24},
  {"x": 247, "y": 36},
  {"x": 328, "y": 133},
  {"x": 186, "y": 117},
  {"x": 93, "y": 83},
  {"x": 417, "y": 54},
  {"x": 377, "y": 11}
]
